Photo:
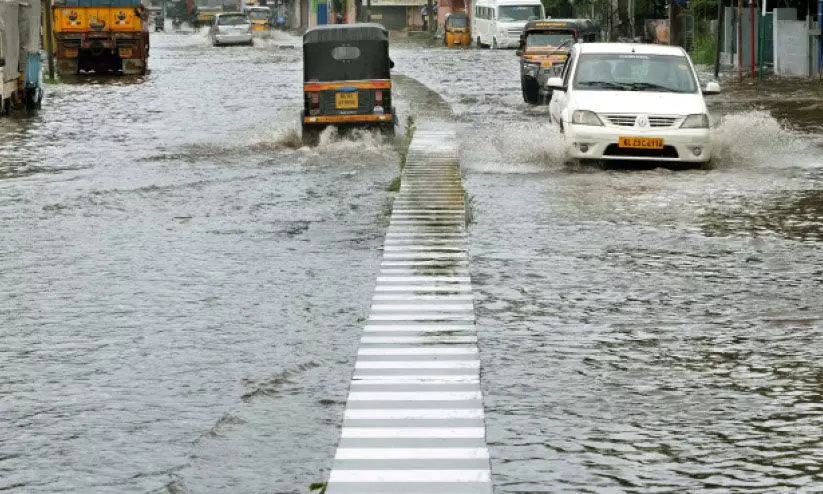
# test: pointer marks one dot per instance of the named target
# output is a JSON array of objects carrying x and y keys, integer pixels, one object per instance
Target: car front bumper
[
  {"x": 226, "y": 39},
  {"x": 601, "y": 143}
]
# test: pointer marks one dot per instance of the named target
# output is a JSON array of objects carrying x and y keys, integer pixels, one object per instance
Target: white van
[{"x": 499, "y": 23}]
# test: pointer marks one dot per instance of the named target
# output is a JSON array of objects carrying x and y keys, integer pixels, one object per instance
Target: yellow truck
[{"x": 101, "y": 36}]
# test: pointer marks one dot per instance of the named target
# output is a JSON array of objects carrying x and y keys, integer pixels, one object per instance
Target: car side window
[{"x": 567, "y": 68}]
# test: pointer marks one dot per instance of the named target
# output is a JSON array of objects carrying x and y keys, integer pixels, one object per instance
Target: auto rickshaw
[
  {"x": 544, "y": 46},
  {"x": 457, "y": 31},
  {"x": 346, "y": 79},
  {"x": 260, "y": 18}
]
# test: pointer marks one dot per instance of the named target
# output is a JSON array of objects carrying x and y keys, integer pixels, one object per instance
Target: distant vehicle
[
  {"x": 101, "y": 36},
  {"x": 203, "y": 12},
  {"x": 619, "y": 101},
  {"x": 543, "y": 48},
  {"x": 346, "y": 79},
  {"x": 157, "y": 18},
  {"x": 499, "y": 23},
  {"x": 260, "y": 17},
  {"x": 457, "y": 31},
  {"x": 231, "y": 28}
]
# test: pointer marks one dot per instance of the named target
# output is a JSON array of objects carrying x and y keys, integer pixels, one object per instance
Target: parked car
[
  {"x": 632, "y": 102},
  {"x": 231, "y": 28}
]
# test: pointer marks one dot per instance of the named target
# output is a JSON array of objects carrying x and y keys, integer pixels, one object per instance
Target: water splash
[
  {"x": 520, "y": 148},
  {"x": 756, "y": 138}
]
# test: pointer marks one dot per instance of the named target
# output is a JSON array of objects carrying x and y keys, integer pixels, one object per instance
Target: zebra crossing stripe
[{"x": 414, "y": 419}]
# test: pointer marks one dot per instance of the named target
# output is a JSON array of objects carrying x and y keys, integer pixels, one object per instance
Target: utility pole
[
  {"x": 430, "y": 16},
  {"x": 739, "y": 40},
  {"x": 751, "y": 14},
  {"x": 50, "y": 39},
  {"x": 720, "y": 29}
]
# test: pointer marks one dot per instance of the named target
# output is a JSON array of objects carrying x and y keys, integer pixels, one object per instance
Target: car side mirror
[
  {"x": 391, "y": 63},
  {"x": 555, "y": 83},
  {"x": 519, "y": 53},
  {"x": 2, "y": 62},
  {"x": 712, "y": 88}
]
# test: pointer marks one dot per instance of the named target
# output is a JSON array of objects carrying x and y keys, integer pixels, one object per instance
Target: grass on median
[{"x": 402, "y": 143}]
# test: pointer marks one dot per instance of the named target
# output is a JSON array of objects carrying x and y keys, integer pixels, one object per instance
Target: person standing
[
  {"x": 340, "y": 17},
  {"x": 434, "y": 15},
  {"x": 424, "y": 13}
]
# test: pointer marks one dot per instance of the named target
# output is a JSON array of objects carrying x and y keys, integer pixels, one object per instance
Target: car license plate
[
  {"x": 346, "y": 101},
  {"x": 640, "y": 142},
  {"x": 546, "y": 63},
  {"x": 125, "y": 52}
]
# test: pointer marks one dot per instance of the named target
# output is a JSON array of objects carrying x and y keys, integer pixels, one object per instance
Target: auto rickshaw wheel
[
  {"x": 311, "y": 135},
  {"x": 387, "y": 130},
  {"x": 531, "y": 91}
]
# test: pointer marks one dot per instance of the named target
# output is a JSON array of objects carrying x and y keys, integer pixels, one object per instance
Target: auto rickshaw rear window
[
  {"x": 458, "y": 21},
  {"x": 345, "y": 53}
]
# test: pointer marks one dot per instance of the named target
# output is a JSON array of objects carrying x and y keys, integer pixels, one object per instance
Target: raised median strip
[{"x": 414, "y": 421}]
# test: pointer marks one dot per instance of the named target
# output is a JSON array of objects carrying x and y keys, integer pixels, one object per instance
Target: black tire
[
  {"x": 387, "y": 130},
  {"x": 311, "y": 135},
  {"x": 531, "y": 91}
]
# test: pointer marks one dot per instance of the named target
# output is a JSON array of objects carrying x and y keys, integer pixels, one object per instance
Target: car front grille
[
  {"x": 615, "y": 150},
  {"x": 659, "y": 122},
  {"x": 515, "y": 33},
  {"x": 655, "y": 122},
  {"x": 622, "y": 120}
]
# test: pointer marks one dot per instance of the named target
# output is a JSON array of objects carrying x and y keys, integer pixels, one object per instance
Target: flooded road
[
  {"x": 182, "y": 291},
  {"x": 644, "y": 331}
]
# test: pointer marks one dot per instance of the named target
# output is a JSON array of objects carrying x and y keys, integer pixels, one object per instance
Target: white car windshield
[
  {"x": 634, "y": 72},
  {"x": 232, "y": 20},
  {"x": 519, "y": 13}
]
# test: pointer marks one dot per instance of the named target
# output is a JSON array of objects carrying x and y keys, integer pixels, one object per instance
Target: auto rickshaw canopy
[
  {"x": 586, "y": 29},
  {"x": 457, "y": 19},
  {"x": 346, "y": 52}
]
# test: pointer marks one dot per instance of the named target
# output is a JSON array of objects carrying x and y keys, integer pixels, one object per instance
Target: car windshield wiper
[
  {"x": 649, "y": 86},
  {"x": 605, "y": 84}
]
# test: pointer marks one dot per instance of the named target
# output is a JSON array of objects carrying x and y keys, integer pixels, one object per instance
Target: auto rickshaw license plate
[
  {"x": 346, "y": 101},
  {"x": 125, "y": 52},
  {"x": 640, "y": 142}
]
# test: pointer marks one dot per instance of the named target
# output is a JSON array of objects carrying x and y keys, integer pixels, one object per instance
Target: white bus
[{"x": 499, "y": 23}]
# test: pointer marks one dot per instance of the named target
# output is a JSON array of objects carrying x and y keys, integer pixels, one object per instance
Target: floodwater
[{"x": 182, "y": 291}]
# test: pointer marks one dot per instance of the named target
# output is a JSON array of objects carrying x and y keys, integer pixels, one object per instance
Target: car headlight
[
  {"x": 585, "y": 117},
  {"x": 696, "y": 121}
]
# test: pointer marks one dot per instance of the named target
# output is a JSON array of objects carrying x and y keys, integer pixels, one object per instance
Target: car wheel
[{"x": 494, "y": 44}]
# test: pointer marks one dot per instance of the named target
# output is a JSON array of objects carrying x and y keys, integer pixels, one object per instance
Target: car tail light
[
  {"x": 315, "y": 100},
  {"x": 378, "y": 98}
]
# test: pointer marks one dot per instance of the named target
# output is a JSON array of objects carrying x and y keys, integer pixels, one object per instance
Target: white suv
[{"x": 630, "y": 101}]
